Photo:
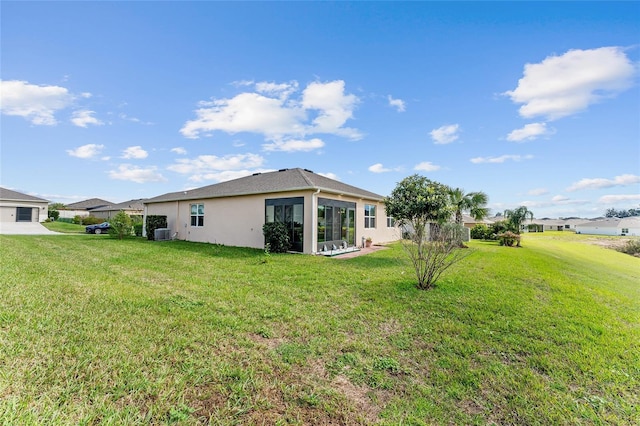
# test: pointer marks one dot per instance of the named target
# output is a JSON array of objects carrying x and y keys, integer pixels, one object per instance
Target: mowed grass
[{"x": 95, "y": 330}]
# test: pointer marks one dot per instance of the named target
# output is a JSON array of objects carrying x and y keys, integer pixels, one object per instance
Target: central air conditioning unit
[{"x": 162, "y": 234}]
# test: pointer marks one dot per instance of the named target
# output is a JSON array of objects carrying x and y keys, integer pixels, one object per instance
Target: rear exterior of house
[
  {"x": 320, "y": 213},
  {"x": 18, "y": 207}
]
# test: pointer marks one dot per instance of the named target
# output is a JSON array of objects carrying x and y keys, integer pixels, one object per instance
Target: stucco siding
[
  {"x": 238, "y": 221},
  {"x": 8, "y": 210}
]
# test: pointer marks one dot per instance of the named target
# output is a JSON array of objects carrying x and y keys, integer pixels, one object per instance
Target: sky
[{"x": 533, "y": 103}]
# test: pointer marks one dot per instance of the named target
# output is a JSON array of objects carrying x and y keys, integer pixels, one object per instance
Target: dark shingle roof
[
  {"x": 127, "y": 205},
  {"x": 7, "y": 194},
  {"x": 89, "y": 204},
  {"x": 264, "y": 183}
]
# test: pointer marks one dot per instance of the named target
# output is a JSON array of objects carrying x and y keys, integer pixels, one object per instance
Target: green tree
[
  {"x": 473, "y": 202},
  {"x": 53, "y": 211},
  {"x": 121, "y": 225},
  {"x": 516, "y": 217},
  {"x": 422, "y": 208}
]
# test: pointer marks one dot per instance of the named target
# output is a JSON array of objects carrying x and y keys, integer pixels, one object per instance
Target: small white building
[
  {"x": 18, "y": 207},
  {"x": 627, "y": 226}
]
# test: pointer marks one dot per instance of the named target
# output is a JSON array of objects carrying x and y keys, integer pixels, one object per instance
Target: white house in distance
[
  {"x": 627, "y": 226},
  {"x": 321, "y": 213},
  {"x": 18, "y": 207}
]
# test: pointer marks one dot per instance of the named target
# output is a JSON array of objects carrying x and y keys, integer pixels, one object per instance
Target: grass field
[{"x": 95, "y": 330}]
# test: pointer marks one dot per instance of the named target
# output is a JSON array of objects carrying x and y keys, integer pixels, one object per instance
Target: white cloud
[
  {"x": 529, "y": 132},
  {"x": 537, "y": 191},
  {"x": 599, "y": 183},
  {"x": 445, "y": 134},
  {"x": 614, "y": 199},
  {"x": 378, "y": 168},
  {"x": 270, "y": 111},
  {"x": 330, "y": 175},
  {"x": 398, "y": 104},
  {"x": 135, "y": 152},
  {"x": 500, "y": 159},
  {"x": 559, "y": 198},
  {"x": 211, "y": 167},
  {"x": 38, "y": 104},
  {"x": 134, "y": 119},
  {"x": 282, "y": 90},
  {"x": 82, "y": 118},
  {"x": 136, "y": 174},
  {"x": 426, "y": 166},
  {"x": 333, "y": 106},
  {"x": 179, "y": 150},
  {"x": 86, "y": 151},
  {"x": 564, "y": 85},
  {"x": 293, "y": 145}
]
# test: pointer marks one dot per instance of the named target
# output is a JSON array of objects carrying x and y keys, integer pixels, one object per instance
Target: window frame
[
  {"x": 370, "y": 216},
  {"x": 391, "y": 222},
  {"x": 197, "y": 218}
]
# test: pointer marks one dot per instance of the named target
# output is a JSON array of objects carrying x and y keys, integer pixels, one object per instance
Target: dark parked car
[{"x": 100, "y": 228}]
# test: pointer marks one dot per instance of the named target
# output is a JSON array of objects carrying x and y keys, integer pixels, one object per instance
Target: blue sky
[{"x": 536, "y": 104}]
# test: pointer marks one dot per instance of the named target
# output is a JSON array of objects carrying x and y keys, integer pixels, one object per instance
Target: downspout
[
  {"x": 314, "y": 222},
  {"x": 144, "y": 221}
]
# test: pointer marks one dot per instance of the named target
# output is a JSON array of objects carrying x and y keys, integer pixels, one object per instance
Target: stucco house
[
  {"x": 320, "y": 213},
  {"x": 131, "y": 207},
  {"x": 83, "y": 208},
  {"x": 18, "y": 207},
  {"x": 627, "y": 226},
  {"x": 470, "y": 222}
]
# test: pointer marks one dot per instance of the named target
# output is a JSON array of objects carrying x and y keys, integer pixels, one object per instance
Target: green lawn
[{"x": 95, "y": 330}]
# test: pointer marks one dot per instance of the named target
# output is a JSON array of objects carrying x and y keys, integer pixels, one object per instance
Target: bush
[
  {"x": 53, "y": 214},
  {"x": 120, "y": 225},
  {"x": 155, "y": 222},
  {"x": 480, "y": 232},
  {"x": 88, "y": 220},
  {"x": 632, "y": 247},
  {"x": 137, "y": 229},
  {"x": 276, "y": 237},
  {"x": 509, "y": 239}
]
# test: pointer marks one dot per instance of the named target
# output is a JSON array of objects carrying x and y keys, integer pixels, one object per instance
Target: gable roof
[
  {"x": 614, "y": 222},
  {"x": 9, "y": 195},
  {"x": 127, "y": 205},
  {"x": 271, "y": 182},
  {"x": 89, "y": 204}
]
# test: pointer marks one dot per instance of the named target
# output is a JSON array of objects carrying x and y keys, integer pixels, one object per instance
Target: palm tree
[
  {"x": 517, "y": 217},
  {"x": 474, "y": 202}
]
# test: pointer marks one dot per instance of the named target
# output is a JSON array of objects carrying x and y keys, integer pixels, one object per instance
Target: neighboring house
[
  {"x": 545, "y": 224},
  {"x": 611, "y": 226},
  {"x": 131, "y": 207},
  {"x": 559, "y": 224},
  {"x": 320, "y": 213},
  {"x": 18, "y": 207},
  {"x": 82, "y": 208},
  {"x": 470, "y": 222}
]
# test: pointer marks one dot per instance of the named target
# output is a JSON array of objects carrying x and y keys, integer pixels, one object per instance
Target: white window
[
  {"x": 369, "y": 216},
  {"x": 391, "y": 222},
  {"x": 197, "y": 214}
]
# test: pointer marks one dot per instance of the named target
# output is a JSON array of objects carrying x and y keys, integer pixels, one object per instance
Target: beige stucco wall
[
  {"x": 238, "y": 221},
  {"x": 8, "y": 210}
]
